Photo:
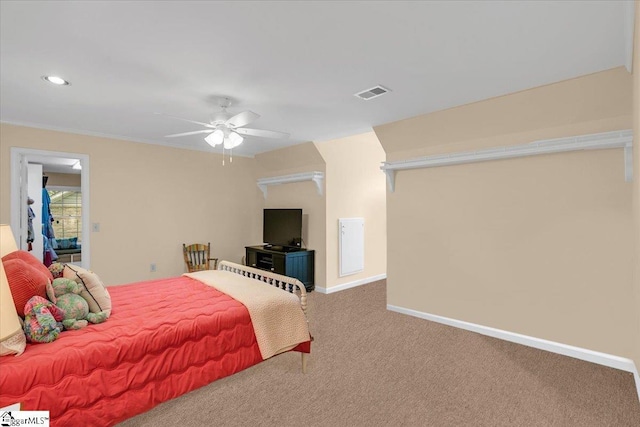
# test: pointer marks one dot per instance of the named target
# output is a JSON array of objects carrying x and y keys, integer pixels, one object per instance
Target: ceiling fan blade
[
  {"x": 195, "y": 132},
  {"x": 262, "y": 133},
  {"x": 242, "y": 119},
  {"x": 209, "y": 125}
]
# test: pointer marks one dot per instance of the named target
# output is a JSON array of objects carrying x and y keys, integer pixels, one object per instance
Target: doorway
[{"x": 27, "y": 168}]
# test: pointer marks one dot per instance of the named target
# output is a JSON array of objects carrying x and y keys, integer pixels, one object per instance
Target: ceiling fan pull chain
[{"x": 223, "y": 155}]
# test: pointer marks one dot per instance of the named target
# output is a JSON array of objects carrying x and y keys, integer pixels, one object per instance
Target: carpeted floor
[{"x": 373, "y": 367}]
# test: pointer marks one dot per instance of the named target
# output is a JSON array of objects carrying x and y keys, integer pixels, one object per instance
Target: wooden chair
[{"x": 198, "y": 257}]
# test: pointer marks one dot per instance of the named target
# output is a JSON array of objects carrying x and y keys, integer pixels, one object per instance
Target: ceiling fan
[{"x": 227, "y": 129}]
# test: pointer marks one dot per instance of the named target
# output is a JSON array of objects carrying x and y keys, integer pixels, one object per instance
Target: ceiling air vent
[{"x": 374, "y": 92}]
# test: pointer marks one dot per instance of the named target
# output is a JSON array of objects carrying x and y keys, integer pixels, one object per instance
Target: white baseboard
[
  {"x": 637, "y": 377},
  {"x": 605, "y": 359},
  {"x": 348, "y": 285}
]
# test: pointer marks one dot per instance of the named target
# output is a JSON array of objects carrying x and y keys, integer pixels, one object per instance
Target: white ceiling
[
  {"x": 297, "y": 64},
  {"x": 55, "y": 164}
]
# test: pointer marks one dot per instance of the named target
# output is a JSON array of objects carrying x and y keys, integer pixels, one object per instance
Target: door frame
[{"x": 19, "y": 157}]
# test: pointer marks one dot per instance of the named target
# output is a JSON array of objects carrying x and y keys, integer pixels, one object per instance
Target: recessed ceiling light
[{"x": 55, "y": 80}]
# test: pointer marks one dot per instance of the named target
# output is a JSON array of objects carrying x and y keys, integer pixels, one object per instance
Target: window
[{"x": 66, "y": 209}]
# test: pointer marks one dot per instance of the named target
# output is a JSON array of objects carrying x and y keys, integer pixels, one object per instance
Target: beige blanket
[{"x": 278, "y": 320}]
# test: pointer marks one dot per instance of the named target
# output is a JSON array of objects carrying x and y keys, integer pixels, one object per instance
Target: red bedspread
[{"x": 163, "y": 339}]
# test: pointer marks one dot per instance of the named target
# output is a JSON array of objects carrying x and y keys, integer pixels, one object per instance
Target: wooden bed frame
[{"x": 286, "y": 283}]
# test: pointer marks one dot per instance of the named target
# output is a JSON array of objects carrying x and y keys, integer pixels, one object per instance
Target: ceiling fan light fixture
[
  {"x": 215, "y": 138},
  {"x": 234, "y": 140},
  {"x": 228, "y": 130}
]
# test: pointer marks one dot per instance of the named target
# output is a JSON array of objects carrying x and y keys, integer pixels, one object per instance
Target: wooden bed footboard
[{"x": 286, "y": 283}]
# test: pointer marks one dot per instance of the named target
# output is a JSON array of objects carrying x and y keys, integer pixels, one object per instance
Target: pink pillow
[
  {"x": 31, "y": 260},
  {"x": 25, "y": 282}
]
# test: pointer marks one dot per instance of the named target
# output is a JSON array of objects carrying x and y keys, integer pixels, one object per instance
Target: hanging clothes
[
  {"x": 30, "y": 232},
  {"x": 48, "y": 236},
  {"x": 47, "y": 218}
]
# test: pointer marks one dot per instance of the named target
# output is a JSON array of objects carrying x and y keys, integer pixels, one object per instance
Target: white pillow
[{"x": 94, "y": 291}]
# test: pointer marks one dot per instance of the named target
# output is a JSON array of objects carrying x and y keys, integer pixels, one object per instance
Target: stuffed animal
[
  {"x": 56, "y": 269},
  {"x": 42, "y": 320},
  {"x": 65, "y": 293}
]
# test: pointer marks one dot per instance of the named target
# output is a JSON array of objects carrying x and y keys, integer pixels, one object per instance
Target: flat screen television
[{"x": 282, "y": 227}]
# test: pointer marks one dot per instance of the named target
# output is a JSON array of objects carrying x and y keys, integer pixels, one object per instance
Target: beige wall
[
  {"x": 165, "y": 196},
  {"x": 597, "y": 101},
  {"x": 303, "y": 195},
  {"x": 149, "y": 200},
  {"x": 355, "y": 187},
  {"x": 63, "y": 179},
  {"x": 538, "y": 246},
  {"x": 636, "y": 181}
]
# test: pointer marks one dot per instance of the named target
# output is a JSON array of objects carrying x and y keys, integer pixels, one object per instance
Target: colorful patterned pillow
[
  {"x": 71, "y": 243},
  {"x": 25, "y": 282},
  {"x": 94, "y": 291},
  {"x": 31, "y": 260}
]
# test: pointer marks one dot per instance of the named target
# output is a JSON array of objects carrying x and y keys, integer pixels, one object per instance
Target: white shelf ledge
[
  {"x": 598, "y": 141},
  {"x": 316, "y": 177}
]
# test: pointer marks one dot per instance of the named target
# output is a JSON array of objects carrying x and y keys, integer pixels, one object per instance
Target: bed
[{"x": 164, "y": 338}]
